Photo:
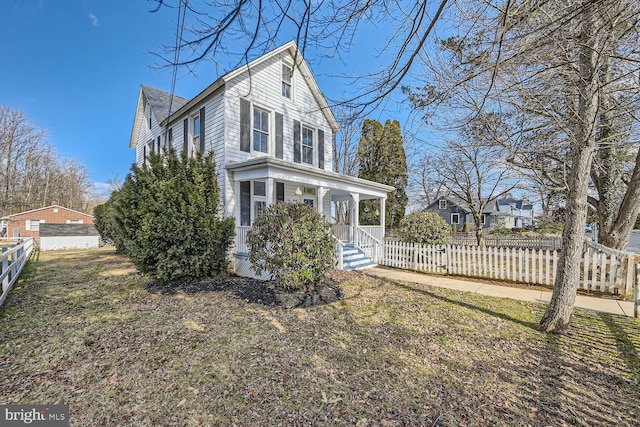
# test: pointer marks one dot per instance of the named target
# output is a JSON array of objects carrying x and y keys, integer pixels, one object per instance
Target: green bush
[
  {"x": 426, "y": 228},
  {"x": 501, "y": 231},
  {"x": 105, "y": 222},
  {"x": 168, "y": 213},
  {"x": 292, "y": 242},
  {"x": 548, "y": 226},
  {"x": 518, "y": 230}
]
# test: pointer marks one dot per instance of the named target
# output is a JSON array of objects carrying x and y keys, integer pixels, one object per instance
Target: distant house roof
[
  {"x": 46, "y": 207},
  {"x": 67, "y": 230},
  {"x": 499, "y": 207}
]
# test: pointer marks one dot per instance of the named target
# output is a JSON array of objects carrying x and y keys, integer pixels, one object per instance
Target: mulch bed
[{"x": 267, "y": 293}]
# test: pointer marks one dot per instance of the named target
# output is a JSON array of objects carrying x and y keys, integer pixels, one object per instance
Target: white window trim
[
  {"x": 442, "y": 204},
  {"x": 314, "y": 145},
  {"x": 457, "y": 215},
  {"x": 291, "y": 85},
  {"x": 194, "y": 138},
  {"x": 270, "y": 134},
  {"x": 255, "y": 199}
]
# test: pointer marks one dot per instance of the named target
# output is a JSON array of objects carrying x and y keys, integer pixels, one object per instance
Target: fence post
[
  {"x": 636, "y": 293},
  {"x": 5, "y": 266}
]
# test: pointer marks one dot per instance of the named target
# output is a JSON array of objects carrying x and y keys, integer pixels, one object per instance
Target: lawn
[{"x": 80, "y": 328}]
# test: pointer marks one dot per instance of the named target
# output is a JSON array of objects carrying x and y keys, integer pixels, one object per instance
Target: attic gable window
[
  {"x": 442, "y": 204},
  {"x": 260, "y": 130},
  {"x": 287, "y": 75}
]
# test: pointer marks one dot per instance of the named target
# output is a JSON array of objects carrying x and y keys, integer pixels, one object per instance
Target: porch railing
[
  {"x": 241, "y": 239},
  {"x": 341, "y": 232},
  {"x": 367, "y": 243}
]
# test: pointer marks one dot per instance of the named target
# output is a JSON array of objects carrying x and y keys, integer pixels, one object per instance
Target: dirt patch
[{"x": 255, "y": 291}]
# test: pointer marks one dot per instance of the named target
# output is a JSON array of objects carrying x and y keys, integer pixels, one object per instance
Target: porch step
[{"x": 354, "y": 259}]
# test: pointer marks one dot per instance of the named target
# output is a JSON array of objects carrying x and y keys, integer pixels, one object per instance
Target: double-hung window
[
  {"x": 260, "y": 130},
  {"x": 287, "y": 75},
  {"x": 307, "y": 145},
  {"x": 442, "y": 204},
  {"x": 259, "y": 198},
  {"x": 195, "y": 134}
]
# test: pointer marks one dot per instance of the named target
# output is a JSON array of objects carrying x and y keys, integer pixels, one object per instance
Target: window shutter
[
  {"x": 320, "y": 149},
  {"x": 279, "y": 136},
  {"x": 185, "y": 135},
  {"x": 245, "y": 124},
  {"x": 202, "y": 130},
  {"x": 296, "y": 141},
  {"x": 170, "y": 139},
  {"x": 245, "y": 202},
  {"x": 27, "y": 225},
  {"x": 279, "y": 191},
  {"x": 144, "y": 154},
  {"x": 159, "y": 146}
]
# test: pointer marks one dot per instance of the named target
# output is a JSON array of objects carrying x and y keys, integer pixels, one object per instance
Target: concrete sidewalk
[{"x": 604, "y": 305}]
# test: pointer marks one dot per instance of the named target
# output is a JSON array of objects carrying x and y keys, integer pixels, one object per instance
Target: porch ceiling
[{"x": 340, "y": 185}]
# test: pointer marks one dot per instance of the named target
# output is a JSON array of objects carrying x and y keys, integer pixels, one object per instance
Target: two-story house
[
  {"x": 271, "y": 131},
  {"x": 506, "y": 212}
]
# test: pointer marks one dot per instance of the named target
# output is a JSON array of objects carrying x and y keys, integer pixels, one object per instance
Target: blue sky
[{"x": 74, "y": 67}]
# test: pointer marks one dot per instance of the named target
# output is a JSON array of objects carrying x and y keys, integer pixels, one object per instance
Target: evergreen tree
[
  {"x": 382, "y": 159},
  {"x": 168, "y": 213}
]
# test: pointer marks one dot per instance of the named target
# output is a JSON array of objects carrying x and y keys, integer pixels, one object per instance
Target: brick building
[{"x": 27, "y": 224}]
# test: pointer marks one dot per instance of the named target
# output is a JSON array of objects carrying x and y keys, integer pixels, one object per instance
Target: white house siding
[
  {"x": 263, "y": 89},
  {"x": 147, "y": 135}
]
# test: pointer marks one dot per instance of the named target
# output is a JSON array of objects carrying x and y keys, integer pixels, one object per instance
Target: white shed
[{"x": 68, "y": 236}]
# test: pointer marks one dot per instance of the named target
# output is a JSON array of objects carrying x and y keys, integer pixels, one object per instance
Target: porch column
[
  {"x": 355, "y": 216},
  {"x": 268, "y": 188},
  {"x": 322, "y": 191},
  {"x": 383, "y": 209},
  {"x": 236, "y": 184}
]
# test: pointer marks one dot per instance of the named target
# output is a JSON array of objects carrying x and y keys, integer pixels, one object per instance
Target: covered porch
[{"x": 261, "y": 182}]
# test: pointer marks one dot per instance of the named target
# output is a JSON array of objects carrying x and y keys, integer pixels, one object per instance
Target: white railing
[
  {"x": 339, "y": 250},
  {"x": 241, "y": 239},
  {"x": 341, "y": 232},
  {"x": 602, "y": 271},
  {"x": 375, "y": 230},
  {"x": 12, "y": 261},
  {"x": 367, "y": 243}
]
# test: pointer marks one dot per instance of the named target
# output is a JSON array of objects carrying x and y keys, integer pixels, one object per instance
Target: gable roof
[
  {"x": 46, "y": 207},
  {"x": 180, "y": 105},
  {"x": 160, "y": 102}
]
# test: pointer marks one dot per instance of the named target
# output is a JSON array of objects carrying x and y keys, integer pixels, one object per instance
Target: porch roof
[{"x": 340, "y": 185}]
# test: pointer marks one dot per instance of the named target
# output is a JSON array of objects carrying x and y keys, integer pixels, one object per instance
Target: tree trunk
[
  {"x": 558, "y": 315},
  {"x": 620, "y": 231}
]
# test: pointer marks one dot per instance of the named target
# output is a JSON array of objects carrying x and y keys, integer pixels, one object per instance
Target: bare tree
[
  {"x": 478, "y": 175},
  {"x": 345, "y": 154},
  {"x": 532, "y": 73},
  {"x": 33, "y": 175}
]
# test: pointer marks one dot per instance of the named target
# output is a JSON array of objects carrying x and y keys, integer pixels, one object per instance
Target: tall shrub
[
  {"x": 425, "y": 228},
  {"x": 292, "y": 242},
  {"x": 168, "y": 210}
]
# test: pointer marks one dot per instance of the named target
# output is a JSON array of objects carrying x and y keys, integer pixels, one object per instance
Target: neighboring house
[
  {"x": 507, "y": 213},
  {"x": 27, "y": 224},
  {"x": 271, "y": 130}
]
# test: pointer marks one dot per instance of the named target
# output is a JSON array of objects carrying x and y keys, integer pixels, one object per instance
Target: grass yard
[{"x": 81, "y": 329}]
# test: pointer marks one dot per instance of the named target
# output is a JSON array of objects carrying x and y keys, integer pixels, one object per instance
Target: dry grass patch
[{"x": 387, "y": 354}]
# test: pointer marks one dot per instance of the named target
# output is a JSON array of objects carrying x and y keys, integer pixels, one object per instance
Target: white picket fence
[
  {"x": 602, "y": 271},
  {"x": 12, "y": 261}
]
